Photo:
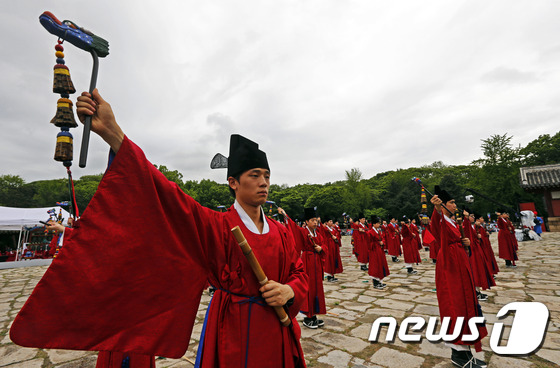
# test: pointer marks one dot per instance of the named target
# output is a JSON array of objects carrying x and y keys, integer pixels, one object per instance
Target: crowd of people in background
[{"x": 457, "y": 244}]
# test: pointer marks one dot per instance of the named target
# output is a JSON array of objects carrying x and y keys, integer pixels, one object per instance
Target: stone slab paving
[{"x": 352, "y": 306}]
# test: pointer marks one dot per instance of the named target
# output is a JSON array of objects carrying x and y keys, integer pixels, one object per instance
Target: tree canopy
[{"x": 495, "y": 174}]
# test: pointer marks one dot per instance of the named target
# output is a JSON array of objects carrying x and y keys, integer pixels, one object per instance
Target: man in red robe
[
  {"x": 483, "y": 277},
  {"x": 486, "y": 245},
  {"x": 333, "y": 263},
  {"x": 414, "y": 228},
  {"x": 109, "y": 291},
  {"x": 454, "y": 281},
  {"x": 506, "y": 240},
  {"x": 410, "y": 247},
  {"x": 383, "y": 229},
  {"x": 313, "y": 255},
  {"x": 338, "y": 231},
  {"x": 378, "y": 268},
  {"x": 360, "y": 242},
  {"x": 393, "y": 238}
]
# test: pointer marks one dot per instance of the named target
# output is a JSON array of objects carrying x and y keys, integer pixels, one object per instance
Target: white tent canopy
[{"x": 15, "y": 219}]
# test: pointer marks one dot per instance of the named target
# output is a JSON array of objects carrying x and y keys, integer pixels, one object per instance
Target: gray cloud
[{"x": 509, "y": 76}]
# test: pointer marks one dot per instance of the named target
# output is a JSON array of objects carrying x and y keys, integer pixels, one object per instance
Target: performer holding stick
[
  {"x": 257, "y": 270},
  {"x": 132, "y": 302},
  {"x": 454, "y": 280},
  {"x": 311, "y": 243}
]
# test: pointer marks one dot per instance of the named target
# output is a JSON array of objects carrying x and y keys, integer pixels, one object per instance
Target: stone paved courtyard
[{"x": 352, "y": 306}]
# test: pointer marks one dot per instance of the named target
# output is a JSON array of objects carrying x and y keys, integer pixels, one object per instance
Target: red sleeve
[
  {"x": 297, "y": 234},
  {"x": 298, "y": 277},
  {"x": 405, "y": 230},
  {"x": 132, "y": 270},
  {"x": 436, "y": 227}
]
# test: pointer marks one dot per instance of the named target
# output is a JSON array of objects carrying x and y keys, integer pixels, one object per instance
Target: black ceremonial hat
[
  {"x": 442, "y": 194},
  {"x": 361, "y": 215},
  {"x": 310, "y": 212},
  {"x": 375, "y": 219},
  {"x": 244, "y": 154}
]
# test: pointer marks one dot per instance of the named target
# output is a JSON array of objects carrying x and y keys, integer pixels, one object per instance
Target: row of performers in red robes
[
  {"x": 392, "y": 237},
  {"x": 316, "y": 264},
  {"x": 397, "y": 241}
]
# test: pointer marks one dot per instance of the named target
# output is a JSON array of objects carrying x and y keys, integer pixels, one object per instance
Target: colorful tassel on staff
[
  {"x": 64, "y": 117},
  {"x": 62, "y": 82},
  {"x": 424, "y": 212}
]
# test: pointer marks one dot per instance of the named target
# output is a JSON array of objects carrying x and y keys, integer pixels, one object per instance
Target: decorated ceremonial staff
[
  {"x": 428, "y": 241},
  {"x": 85, "y": 40},
  {"x": 455, "y": 288},
  {"x": 62, "y": 84}
]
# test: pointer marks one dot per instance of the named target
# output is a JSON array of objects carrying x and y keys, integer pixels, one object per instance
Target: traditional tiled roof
[{"x": 540, "y": 177}]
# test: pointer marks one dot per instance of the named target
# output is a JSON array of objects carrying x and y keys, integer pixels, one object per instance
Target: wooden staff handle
[{"x": 258, "y": 271}]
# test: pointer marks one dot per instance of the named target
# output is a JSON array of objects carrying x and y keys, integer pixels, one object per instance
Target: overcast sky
[{"x": 322, "y": 85}]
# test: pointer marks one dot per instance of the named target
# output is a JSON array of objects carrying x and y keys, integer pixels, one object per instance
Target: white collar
[
  {"x": 377, "y": 230},
  {"x": 451, "y": 221},
  {"x": 313, "y": 233},
  {"x": 248, "y": 221}
]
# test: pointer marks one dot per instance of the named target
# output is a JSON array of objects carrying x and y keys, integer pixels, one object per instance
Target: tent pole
[{"x": 19, "y": 243}]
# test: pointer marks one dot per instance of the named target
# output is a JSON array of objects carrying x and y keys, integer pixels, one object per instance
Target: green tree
[
  {"x": 329, "y": 202},
  {"x": 292, "y": 203},
  {"x": 544, "y": 150},
  {"x": 498, "y": 177},
  {"x": 14, "y": 192},
  {"x": 171, "y": 175},
  {"x": 85, "y": 189},
  {"x": 211, "y": 194},
  {"x": 358, "y": 195},
  {"x": 48, "y": 192}
]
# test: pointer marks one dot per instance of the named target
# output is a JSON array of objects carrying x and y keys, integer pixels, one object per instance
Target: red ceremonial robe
[
  {"x": 487, "y": 248},
  {"x": 454, "y": 282},
  {"x": 481, "y": 273},
  {"x": 434, "y": 240},
  {"x": 410, "y": 246},
  {"x": 506, "y": 247},
  {"x": 333, "y": 263},
  {"x": 313, "y": 265},
  {"x": 417, "y": 238},
  {"x": 384, "y": 236},
  {"x": 378, "y": 266},
  {"x": 360, "y": 242},
  {"x": 393, "y": 238},
  {"x": 512, "y": 232},
  {"x": 120, "y": 286},
  {"x": 338, "y": 234}
]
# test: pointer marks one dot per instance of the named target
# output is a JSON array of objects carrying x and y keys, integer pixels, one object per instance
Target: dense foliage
[{"x": 496, "y": 175}]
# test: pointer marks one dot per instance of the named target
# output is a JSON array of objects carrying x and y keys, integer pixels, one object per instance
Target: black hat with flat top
[
  {"x": 310, "y": 212},
  {"x": 442, "y": 194},
  {"x": 244, "y": 154}
]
